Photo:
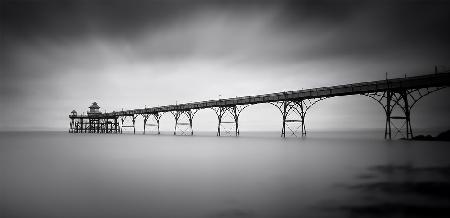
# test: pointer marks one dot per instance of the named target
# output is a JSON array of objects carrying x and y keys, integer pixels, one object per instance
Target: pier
[{"x": 396, "y": 96}]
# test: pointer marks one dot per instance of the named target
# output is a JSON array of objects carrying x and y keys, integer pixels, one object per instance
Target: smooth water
[{"x": 49, "y": 174}]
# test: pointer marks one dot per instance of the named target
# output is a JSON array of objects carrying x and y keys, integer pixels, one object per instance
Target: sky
[{"x": 56, "y": 56}]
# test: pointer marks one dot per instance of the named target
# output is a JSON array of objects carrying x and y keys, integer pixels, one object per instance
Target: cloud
[{"x": 77, "y": 51}]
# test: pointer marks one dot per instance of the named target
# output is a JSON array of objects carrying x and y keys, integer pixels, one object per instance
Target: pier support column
[
  {"x": 157, "y": 117},
  {"x": 121, "y": 127},
  {"x": 228, "y": 115},
  {"x": 115, "y": 125},
  {"x": 387, "y": 130},
  {"x": 145, "y": 116},
  {"x": 71, "y": 124},
  {"x": 397, "y": 104},
  {"x": 92, "y": 126},
  {"x": 184, "y": 127},
  {"x": 293, "y": 115},
  {"x": 134, "y": 122},
  {"x": 176, "y": 115}
]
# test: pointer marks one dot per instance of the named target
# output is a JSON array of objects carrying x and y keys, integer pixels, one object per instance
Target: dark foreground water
[{"x": 255, "y": 175}]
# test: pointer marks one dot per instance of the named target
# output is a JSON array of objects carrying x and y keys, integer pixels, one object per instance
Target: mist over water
[{"x": 51, "y": 174}]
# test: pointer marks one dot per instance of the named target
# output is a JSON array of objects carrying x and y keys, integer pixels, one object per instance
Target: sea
[{"x": 258, "y": 174}]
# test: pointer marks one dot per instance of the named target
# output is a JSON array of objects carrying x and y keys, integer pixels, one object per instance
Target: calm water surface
[{"x": 45, "y": 174}]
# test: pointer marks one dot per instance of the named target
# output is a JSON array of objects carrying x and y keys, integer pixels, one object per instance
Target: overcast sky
[{"x": 56, "y": 56}]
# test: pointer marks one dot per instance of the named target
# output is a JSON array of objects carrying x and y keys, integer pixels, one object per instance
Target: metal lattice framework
[
  {"x": 185, "y": 128},
  {"x": 133, "y": 122},
  {"x": 145, "y": 116},
  {"x": 156, "y": 117},
  {"x": 94, "y": 125},
  {"x": 233, "y": 112},
  {"x": 397, "y": 105},
  {"x": 293, "y": 114}
]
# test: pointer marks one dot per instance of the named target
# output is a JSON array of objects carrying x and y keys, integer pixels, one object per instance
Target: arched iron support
[
  {"x": 189, "y": 114},
  {"x": 421, "y": 94},
  {"x": 295, "y": 108},
  {"x": 145, "y": 116},
  {"x": 157, "y": 116},
  {"x": 234, "y": 111},
  {"x": 404, "y": 100},
  {"x": 133, "y": 120}
]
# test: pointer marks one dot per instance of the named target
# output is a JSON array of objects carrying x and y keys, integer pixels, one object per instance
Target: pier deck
[{"x": 390, "y": 93}]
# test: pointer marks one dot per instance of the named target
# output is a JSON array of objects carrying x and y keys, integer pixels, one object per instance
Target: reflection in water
[
  {"x": 53, "y": 175},
  {"x": 401, "y": 190},
  {"x": 235, "y": 212}
]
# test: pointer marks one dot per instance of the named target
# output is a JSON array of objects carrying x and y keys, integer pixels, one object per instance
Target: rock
[{"x": 444, "y": 136}]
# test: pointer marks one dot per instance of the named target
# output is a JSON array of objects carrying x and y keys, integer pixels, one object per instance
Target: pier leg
[
  {"x": 236, "y": 121},
  {"x": 219, "y": 113},
  {"x": 387, "y": 132},
  {"x": 158, "y": 127},
  {"x": 409, "y": 134},
  {"x": 186, "y": 128},
  {"x": 302, "y": 116},
  {"x": 121, "y": 129},
  {"x": 283, "y": 128},
  {"x": 294, "y": 113},
  {"x": 397, "y": 104},
  {"x": 176, "y": 115},
  {"x": 190, "y": 125},
  {"x": 145, "y": 122},
  {"x": 234, "y": 112},
  {"x": 157, "y": 117},
  {"x": 190, "y": 114},
  {"x": 115, "y": 124},
  {"x": 134, "y": 126},
  {"x": 176, "y": 124}
]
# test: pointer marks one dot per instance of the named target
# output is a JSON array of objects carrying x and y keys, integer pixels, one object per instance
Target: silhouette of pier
[{"x": 397, "y": 97}]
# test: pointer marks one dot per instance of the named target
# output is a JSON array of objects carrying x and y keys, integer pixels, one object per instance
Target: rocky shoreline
[{"x": 443, "y": 136}]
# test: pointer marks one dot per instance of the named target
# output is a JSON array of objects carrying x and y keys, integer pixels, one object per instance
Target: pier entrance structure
[
  {"x": 94, "y": 121},
  {"x": 396, "y": 96}
]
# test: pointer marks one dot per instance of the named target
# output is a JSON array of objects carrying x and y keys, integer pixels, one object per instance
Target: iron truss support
[
  {"x": 184, "y": 127},
  {"x": 133, "y": 120},
  {"x": 72, "y": 125},
  {"x": 94, "y": 125},
  {"x": 145, "y": 116},
  {"x": 232, "y": 113},
  {"x": 293, "y": 115},
  {"x": 156, "y": 117},
  {"x": 397, "y": 105}
]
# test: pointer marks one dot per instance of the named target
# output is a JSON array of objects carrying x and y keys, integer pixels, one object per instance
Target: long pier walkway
[{"x": 396, "y": 96}]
